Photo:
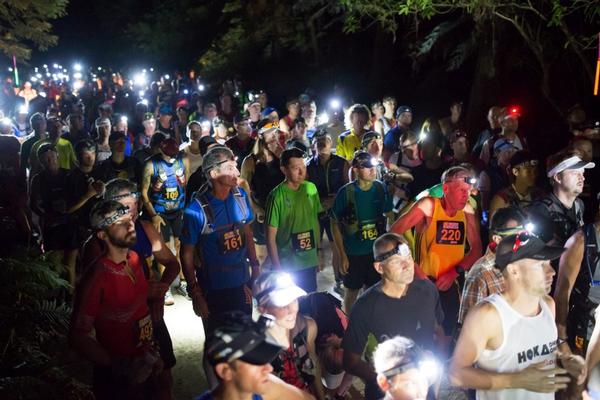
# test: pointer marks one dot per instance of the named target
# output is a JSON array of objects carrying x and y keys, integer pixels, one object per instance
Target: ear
[
  {"x": 496, "y": 238},
  {"x": 512, "y": 270},
  {"x": 514, "y": 171},
  {"x": 383, "y": 382},
  {"x": 213, "y": 173},
  {"x": 282, "y": 168},
  {"x": 224, "y": 371},
  {"x": 102, "y": 235},
  {"x": 445, "y": 188},
  {"x": 556, "y": 178},
  {"x": 378, "y": 267}
]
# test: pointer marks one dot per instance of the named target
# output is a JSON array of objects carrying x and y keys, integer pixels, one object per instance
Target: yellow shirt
[
  {"x": 441, "y": 247},
  {"x": 347, "y": 144}
]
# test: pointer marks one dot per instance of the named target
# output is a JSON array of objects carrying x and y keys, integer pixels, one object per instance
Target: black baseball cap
[
  {"x": 290, "y": 153},
  {"x": 238, "y": 337},
  {"x": 368, "y": 137},
  {"x": 521, "y": 157},
  {"x": 524, "y": 245},
  {"x": 403, "y": 109}
]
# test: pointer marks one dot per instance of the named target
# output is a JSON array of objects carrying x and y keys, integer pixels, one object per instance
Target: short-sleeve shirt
[
  {"x": 223, "y": 251},
  {"x": 113, "y": 301},
  {"x": 369, "y": 207},
  {"x": 66, "y": 154},
  {"x": 295, "y": 214},
  {"x": 376, "y": 316},
  {"x": 347, "y": 144}
]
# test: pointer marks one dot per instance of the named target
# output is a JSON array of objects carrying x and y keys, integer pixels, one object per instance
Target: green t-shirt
[
  {"x": 64, "y": 148},
  {"x": 295, "y": 215},
  {"x": 369, "y": 209}
]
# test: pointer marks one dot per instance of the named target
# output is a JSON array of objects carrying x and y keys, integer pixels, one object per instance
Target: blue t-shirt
[
  {"x": 224, "y": 250},
  {"x": 370, "y": 206}
]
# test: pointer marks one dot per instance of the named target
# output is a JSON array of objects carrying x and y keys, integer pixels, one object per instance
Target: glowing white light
[
  {"x": 236, "y": 94},
  {"x": 33, "y": 79},
  {"x": 55, "y": 65},
  {"x": 61, "y": 75},
  {"x": 10, "y": 69},
  {"x": 144, "y": 70},
  {"x": 140, "y": 79},
  {"x": 323, "y": 118},
  {"x": 36, "y": 69},
  {"x": 45, "y": 66},
  {"x": 335, "y": 104},
  {"x": 6, "y": 121},
  {"x": 144, "y": 102},
  {"x": 205, "y": 125},
  {"x": 65, "y": 70},
  {"x": 77, "y": 67},
  {"x": 77, "y": 75},
  {"x": 151, "y": 69},
  {"x": 167, "y": 76},
  {"x": 48, "y": 74},
  {"x": 201, "y": 88},
  {"x": 250, "y": 96},
  {"x": 185, "y": 91},
  {"x": 99, "y": 68},
  {"x": 124, "y": 118},
  {"x": 77, "y": 85},
  {"x": 43, "y": 94},
  {"x": 23, "y": 109},
  {"x": 141, "y": 93},
  {"x": 422, "y": 136},
  {"x": 529, "y": 227},
  {"x": 431, "y": 369},
  {"x": 126, "y": 94},
  {"x": 38, "y": 75}
]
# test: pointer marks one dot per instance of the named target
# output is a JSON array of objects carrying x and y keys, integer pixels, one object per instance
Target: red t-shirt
[{"x": 112, "y": 300}]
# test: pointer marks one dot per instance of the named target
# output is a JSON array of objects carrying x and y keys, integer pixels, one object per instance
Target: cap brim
[
  {"x": 268, "y": 130},
  {"x": 262, "y": 354},
  {"x": 283, "y": 297},
  {"x": 582, "y": 164},
  {"x": 547, "y": 253}
]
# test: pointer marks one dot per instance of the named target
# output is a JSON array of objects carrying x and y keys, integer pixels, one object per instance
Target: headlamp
[
  {"x": 145, "y": 102},
  {"x": 530, "y": 227},
  {"x": 23, "y": 109},
  {"x": 323, "y": 118},
  {"x": 140, "y": 79},
  {"x": 185, "y": 91},
  {"x": 108, "y": 221},
  {"x": 77, "y": 67},
  {"x": 201, "y": 88},
  {"x": 427, "y": 366},
  {"x": 6, "y": 121},
  {"x": 422, "y": 136},
  {"x": 205, "y": 125},
  {"x": 124, "y": 118},
  {"x": 167, "y": 77},
  {"x": 335, "y": 104},
  {"x": 135, "y": 195},
  {"x": 402, "y": 250}
]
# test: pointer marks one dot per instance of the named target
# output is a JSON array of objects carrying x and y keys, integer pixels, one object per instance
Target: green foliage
[
  {"x": 25, "y": 24},
  {"x": 34, "y": 322}
]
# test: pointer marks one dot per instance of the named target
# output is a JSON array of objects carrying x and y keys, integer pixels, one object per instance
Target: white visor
[{"x": 570, "y": 163}]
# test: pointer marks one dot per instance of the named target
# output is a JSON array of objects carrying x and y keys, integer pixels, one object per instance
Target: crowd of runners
[{"x": 461, "y": 257}]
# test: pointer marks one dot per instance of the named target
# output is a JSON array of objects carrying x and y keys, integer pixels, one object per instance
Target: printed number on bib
[
  {"x": 368, "y": 232},
  {"x": 450, "y": 232},
  {"x": 230, "y": 241},
  {"x": 172, "y": 194},
  {"x": 303, "y": 241},
  {"x": 144, "y": 330}
]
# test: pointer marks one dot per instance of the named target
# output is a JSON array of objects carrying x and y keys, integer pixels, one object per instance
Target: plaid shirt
[{"x": 482, "y": 280}]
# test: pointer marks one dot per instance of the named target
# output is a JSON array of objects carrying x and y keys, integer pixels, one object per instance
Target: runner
[
  {"x": 361, "y": 211},
  {"x": 443, "y": 227},
  {"x": 240, "y": 354},
  {"x": 111, "y": 300},
  {"x": 507, "y": 348},
  {"x": 292, "y": 219}
]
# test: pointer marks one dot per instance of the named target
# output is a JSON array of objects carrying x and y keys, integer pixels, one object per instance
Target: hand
[
  {"x": 344, "y": 264},
  {"x": 157, "y": 309},
  {"x": 98, "y": 187},
  {"x": 199, "y": 303},
  {"x": 446, "y": 280},
  {"x": 157, "y": 221},
  {"x": 575, "y": 366},
  {"x": 538, "y": 379}
]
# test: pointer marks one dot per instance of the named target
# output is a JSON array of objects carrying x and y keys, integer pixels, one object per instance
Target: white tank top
[{"x": 526, "y": 341}]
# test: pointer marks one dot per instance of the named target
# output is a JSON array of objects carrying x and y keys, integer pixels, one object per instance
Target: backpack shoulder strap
[
  {"x": 201, "y": 198},
  {"x": 590, "y": 249}
]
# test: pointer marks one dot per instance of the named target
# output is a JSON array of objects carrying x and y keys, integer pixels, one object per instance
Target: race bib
[
  {"x": 303, "y": 241},
  {"x": 144, "y": 331},
  {"x": 230, "y": 241},
  {"x": 368, "y": 232},
  {"x": 172, "y": 194},
  {"x": 450, "y": 232}
]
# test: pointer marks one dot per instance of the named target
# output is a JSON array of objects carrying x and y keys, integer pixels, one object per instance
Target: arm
[
  {"x": 338, "y": 242},
  {"x": 272, "y": 246},
  {"x": 310, "y": 345},
  {"x": 568, "y": 269},
  {"x": 187, "y": 168},
  {"x": 157, "y": 221},
  {"x": 246, "y": 173},
  {"x": 415, "y": 215},
  {"x": 496, "y": 204},
  {"x": 357, "y": 367},
  {"x": 278, "y": 389},
  {"x": 35, "y": 201},
  {"x": 162, "y": 254},
  {"x": 479, "y": 333},
  {"x": 89, "y": 194},
  {"x": 473, "y": 237},
  {"x": 378, "y": 127}
]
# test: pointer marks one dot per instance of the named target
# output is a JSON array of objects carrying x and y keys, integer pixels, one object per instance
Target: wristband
[{"x": 561, "y": 341}]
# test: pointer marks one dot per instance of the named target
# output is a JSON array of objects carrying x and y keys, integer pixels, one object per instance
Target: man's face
[
  {"x": 295, "y": 171},
  {"x": 88, "y": 158},
  {"x": 457, "y": 191},
  {"x": 285, "y": 317},
  {"x": 121, "y": 126},
  {"x": 492, "y": 117},
  {"x": 510, "y": 124},
  {"x": 118, "y": 146},
  {"x": 366, "y": 174},
  {"x": 460, "y": 147},
  {"x": 263, "y": 99},
  {"x": 226, "y": 174},
  {"x": 54, "y": 129},
  {"x": 526, "y": 173},
  {"x": 536, "y": 276},
  {"x": 195, "y": 132},
  {"x": 250, "y": 378},
  {"x": 273, "y": 116},
  {"x": 210, "y": 112},
  {"x": 571, "y": 181},
  {"x": 405, "y": 119},
  {"x": 505, "y": 155},
  {"x": 390, "y": 106},
  {"x": 324, "y": 147},
  {"x": 243, "y": 128},
  {"x": 378, "y": 110},
  {"x": 131, "y": 202},
  {"x": 254, "y": 109},
  {"x": 456, "y": 109},
  {"x": 49, "y": 160},
  {"x": 429, "y": 150},
  {"x": 409, "y": 385},
  {"x": 359, "y": 120},
  {"x": 40, "y": 126},
  {"x": 104, "y": 130},
  {"x": 165, "y": 119},
  {"x": 410, "y": 149},
  {"x": 149, "y": 125},
  {"x": 182, "y": 115},
  {"x": 121, "y": 233},
  {"x": 375, "y": 147},
  {"x": 299, "y": 131},
  {"x": 294, "y": 108},
  {"x": 76, "y": 124},
  {"x": 397, "y": 269},
  {"x": 272, "y": 141}
]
